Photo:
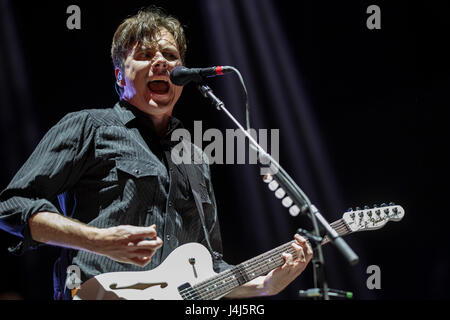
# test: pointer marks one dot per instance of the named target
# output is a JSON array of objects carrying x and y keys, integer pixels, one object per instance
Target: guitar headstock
[{"x": 372, "y": 218}]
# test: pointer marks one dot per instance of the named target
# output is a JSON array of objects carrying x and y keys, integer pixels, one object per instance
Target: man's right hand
[{"x": 128, "y": 244}]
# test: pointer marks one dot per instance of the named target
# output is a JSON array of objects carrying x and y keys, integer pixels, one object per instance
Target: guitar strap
[{"x": 197, "y": 188}]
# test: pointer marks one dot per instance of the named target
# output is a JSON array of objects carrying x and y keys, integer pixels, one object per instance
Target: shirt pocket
[
  {"x": 139, "y": 182},
  {"x": 136, "y": 168}
]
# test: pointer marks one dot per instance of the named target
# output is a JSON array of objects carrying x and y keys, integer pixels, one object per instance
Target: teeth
[{"x": 159, "y": 79}]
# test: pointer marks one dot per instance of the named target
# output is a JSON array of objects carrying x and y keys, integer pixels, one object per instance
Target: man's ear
[{"x": 119, "y": 77}]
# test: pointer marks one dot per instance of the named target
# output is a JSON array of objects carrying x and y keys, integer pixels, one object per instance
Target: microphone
[{"x": 180, "y": 76}]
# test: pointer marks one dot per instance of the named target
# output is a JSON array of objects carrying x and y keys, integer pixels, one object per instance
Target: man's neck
[{"x": 160, "y": 123}]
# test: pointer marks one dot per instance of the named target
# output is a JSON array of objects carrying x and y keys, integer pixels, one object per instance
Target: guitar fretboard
[{"x": 226, "y": 281}]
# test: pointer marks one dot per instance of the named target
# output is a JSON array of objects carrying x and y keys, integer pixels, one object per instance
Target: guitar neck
[{"x": 227, "y": 280}]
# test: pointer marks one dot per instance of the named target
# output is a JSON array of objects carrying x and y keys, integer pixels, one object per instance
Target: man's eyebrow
[{"x": 170, "y": 47}]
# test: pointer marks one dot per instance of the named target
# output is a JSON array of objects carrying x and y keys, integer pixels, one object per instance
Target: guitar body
[
  {"x": 190, "y": 263},
  {"x": 188, "y": 273}
]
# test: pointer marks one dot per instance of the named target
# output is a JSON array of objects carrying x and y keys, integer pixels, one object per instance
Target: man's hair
[{"x": 143, "y": 27}]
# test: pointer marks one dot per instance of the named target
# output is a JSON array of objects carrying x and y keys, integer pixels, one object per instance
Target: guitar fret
[
  {"x": 242, "y": 273},
  {"x": 253, "y": 268}
]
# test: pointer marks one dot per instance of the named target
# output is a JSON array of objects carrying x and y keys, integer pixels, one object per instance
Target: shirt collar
[{"x": 128, "y": 113}]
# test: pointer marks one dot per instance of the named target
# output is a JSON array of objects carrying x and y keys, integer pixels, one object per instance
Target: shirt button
[
  {"x": 168, "y": 237},
  {"x": 170, "y": 204},
  {"x": 137, "y": 171}
]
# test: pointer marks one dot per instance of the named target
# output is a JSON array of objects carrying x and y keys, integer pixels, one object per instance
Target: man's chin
[{"x": 160, "y": 106}]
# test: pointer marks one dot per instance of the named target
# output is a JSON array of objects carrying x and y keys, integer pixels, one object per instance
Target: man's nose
[{"x": 160, "y": 65}]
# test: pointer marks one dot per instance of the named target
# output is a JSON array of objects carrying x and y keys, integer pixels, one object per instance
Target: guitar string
[
  {"x": 223, "y": 288},
  {"x": 257, "y": 266},
  {"x": 260, "y": 263},
  {"x": 205, "y": 291},
  {"x": 340, "y": 226},
  {"x": 232, "y": 271},
  {"x": 202, "y": 286},
  {"x": 218, "y": 289}
]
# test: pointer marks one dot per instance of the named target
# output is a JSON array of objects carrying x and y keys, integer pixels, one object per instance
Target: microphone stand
[{"x": 299, "y": 198}]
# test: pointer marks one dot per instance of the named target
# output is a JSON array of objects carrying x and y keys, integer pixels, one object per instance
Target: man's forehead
[{"x": 161, "y": 38}]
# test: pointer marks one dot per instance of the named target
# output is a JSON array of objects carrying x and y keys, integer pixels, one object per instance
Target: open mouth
[{"x": 159, "y": 86}]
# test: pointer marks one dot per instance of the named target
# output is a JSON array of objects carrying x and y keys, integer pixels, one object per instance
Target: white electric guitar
[{"x": 187, "y": 273}]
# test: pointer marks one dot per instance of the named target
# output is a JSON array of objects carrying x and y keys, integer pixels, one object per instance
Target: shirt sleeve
[{"x": 55, "y": 165}]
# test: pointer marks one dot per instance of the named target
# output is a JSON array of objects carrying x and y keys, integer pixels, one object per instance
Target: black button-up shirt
[{"x": 107, "y": 167}]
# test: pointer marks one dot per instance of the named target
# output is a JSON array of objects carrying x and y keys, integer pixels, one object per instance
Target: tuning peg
[
  {"x": 383, "y": 205},
  {"x": 375, "y": 206},
  {"x": 391, "y": 203},
  {"x": 349, "y": 210},
  {"x": 366, "y": 207},
  {"x": 357, "y": 208}
]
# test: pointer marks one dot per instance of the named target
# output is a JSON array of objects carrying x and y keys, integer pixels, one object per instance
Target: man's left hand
[{"x": 281, "y": 277}]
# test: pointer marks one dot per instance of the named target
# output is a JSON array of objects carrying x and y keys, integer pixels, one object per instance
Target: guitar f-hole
[{"x": 192, "y": 263}]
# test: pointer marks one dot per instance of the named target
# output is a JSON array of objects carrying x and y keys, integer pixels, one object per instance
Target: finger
[
  {"x": 142, "y": 254},
  {"x": 147, "y": 244},
  {"x": 288, "y": 259},
  {"x": 140, "y": 261},
  {"x": 304, "y": 243},
  {"x": 299, "y": 251},
  {"x": 143, "y": 232}
]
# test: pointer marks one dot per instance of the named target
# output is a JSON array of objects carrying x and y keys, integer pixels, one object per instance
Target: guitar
[{"x": 187, "y": 273}]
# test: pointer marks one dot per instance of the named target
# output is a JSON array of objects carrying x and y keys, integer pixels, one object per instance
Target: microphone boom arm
[{"x": 299, "y": 198}]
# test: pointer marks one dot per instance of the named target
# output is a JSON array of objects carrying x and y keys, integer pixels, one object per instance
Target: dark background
[{"x": 360, "y": 113}]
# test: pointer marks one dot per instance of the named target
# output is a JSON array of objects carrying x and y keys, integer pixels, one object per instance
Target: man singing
[{"x": 102, "y": 186}]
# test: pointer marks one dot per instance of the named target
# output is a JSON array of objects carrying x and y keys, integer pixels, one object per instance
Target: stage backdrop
[{"x": 359, "y": 111}]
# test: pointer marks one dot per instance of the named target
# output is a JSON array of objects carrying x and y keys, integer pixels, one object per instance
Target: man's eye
[
  {"x": 144, "y": 55},
  {"x": 170, "y": 56}
]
